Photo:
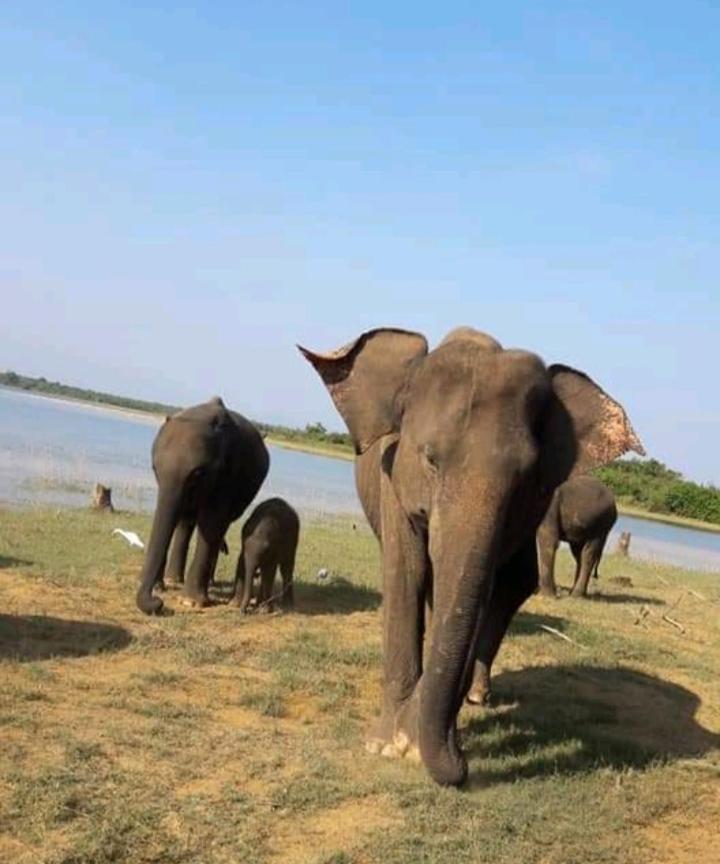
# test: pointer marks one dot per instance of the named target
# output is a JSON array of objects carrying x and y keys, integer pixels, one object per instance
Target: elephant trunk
[
  {"x": 463, "y": 584},
  {"x": 164, "y": 522}
]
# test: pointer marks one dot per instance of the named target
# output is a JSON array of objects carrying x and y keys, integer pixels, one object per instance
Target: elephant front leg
[
  {"x": 395, "y": 733},
  {"x": 514, "y": 583}
]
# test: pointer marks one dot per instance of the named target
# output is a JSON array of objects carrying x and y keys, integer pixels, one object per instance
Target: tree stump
[
  {"x": 102, "y": 499},
  {"x": 623, "y": 545}
]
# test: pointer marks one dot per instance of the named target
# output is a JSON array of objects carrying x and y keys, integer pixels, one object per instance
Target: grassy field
[{"x": 210, "y": 737}]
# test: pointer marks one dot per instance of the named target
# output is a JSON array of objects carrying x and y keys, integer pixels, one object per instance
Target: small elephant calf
[{"x": 269, "y": 540}]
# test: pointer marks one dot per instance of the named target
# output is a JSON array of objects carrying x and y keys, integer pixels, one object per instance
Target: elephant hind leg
[
  {"x": 175, "y": 569},
  {"x": 266, "y": 600},
  {"x": 603, "y": 541},
  {"x": 287, "y": 568},
  {"x": 589, "y": 559},
  {"x": 547, "y": 549},
  {"x": 576, "y": 549},
  {"x": 209, "y": 538}
]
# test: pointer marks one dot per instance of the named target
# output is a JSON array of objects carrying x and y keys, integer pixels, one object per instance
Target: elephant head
[
  {"x": 188, "y": 455},
  {"x": 475, "y": 438}
]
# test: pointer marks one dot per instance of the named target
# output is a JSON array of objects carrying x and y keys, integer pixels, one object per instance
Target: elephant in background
[
  {"x": 581, "y": 513},
  {"x": 209, "y": 463},
  {"x": 269, "y": 542},
  {"x": 459, "y": 450}
]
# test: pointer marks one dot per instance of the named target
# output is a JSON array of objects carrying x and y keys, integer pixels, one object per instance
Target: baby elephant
[{"x": 269, "y": 541}]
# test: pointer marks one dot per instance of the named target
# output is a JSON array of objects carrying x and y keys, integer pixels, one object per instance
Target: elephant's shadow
[
  {"x": 601, "y": 596},
  {"x": 26, "y": 638},
  {"x": 12, "y": 561},
  {"x": 570, "y": 719},
  {"x": 338, "y": 596}
]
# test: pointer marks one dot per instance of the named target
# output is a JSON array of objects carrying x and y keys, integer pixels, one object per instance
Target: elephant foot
[
  {"x": 242, "y": 608},
  {"x": 547, "y": 592},
  {"x": 480, "y": 692},
  {"x": 401, "y": 747},
  {"x": 199, "y": 601},
  {"x": 396, "y": 737},
  {"x": 479, "y": 696}
]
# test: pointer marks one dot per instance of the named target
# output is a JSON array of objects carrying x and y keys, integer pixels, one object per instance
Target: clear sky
[{"x": 189, "y": 189}]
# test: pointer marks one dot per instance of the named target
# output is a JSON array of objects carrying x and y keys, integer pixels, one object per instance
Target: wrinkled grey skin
[
  {"x": 269, "y": 542},
  {"x": 459, "y": 450},
  {"x": 209, "y": 463},
  {"x": 581, "y": 513}
]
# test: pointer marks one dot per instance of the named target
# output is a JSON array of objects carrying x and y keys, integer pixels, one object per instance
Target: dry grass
[{"x": 211, "y": 737}]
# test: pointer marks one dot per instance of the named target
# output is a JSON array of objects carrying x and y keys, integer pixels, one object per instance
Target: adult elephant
[
  {"x": 209, "y": 463},
  {"x": 581, "y": 513},
  {"x": 459, "y": 450}
]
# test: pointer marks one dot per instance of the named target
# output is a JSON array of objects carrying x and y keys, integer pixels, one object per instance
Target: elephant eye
[{"x": 430, "y": 457}]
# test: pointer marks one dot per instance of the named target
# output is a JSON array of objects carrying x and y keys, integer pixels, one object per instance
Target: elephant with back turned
[
  {"x": 209, "y": 463},
  {"x": 582, "y": 512},
  {"x": 459, "y": 450}
]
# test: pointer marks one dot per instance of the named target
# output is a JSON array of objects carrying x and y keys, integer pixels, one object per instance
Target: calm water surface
[{"x": 52, "y": 452}]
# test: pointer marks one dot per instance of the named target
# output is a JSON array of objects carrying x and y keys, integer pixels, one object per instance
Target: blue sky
[{"x": 191, "y": 189}]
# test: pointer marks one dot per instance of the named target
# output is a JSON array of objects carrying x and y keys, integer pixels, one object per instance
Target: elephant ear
[
  {"x": 368, "y": 380},
  {"x": 584, "y": 427}
]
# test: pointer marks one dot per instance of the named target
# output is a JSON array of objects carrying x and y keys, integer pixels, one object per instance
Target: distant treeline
[
  {"x": 313, "y": 433},
  {"x": 55, "y": 388},
  {"x": 650, "y": 485}
]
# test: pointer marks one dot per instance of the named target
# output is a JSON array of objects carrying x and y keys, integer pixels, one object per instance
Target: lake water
[{"x": 52, "y": 452}]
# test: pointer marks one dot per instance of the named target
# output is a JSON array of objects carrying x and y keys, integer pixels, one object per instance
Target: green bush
[{"x": 650, "y": 485}]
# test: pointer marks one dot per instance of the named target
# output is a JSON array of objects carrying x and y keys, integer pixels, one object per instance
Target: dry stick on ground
[
  {"x": 560, "y": 635},
  {"x": 674, "y": 623}
]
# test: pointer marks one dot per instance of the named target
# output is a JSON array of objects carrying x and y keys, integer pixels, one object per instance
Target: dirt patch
[
  {"x": 340, "y": 829},
  {"x": 14, "y": 850},
  {"x": 686, "y": 838}
]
